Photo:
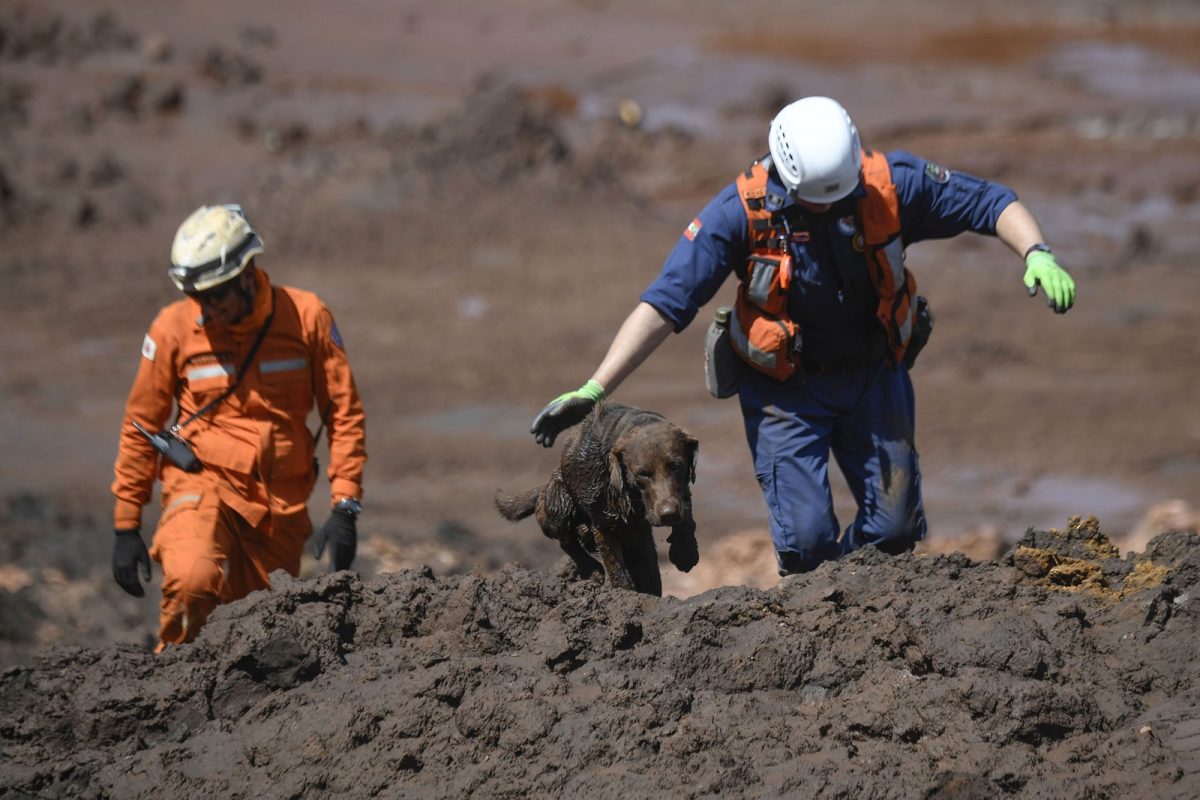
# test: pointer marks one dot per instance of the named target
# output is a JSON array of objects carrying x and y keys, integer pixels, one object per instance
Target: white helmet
[
  {"x": 815, "y": 149},
  {"x": 213, "y": 245}
]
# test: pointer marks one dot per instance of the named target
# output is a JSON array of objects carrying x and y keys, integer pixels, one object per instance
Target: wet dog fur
[{"x": 623, "y": 472}]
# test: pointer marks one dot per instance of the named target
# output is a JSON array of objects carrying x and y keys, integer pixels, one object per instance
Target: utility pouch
[
  {"x": 768, "y": 276},
  {"x": 723, "y": 368},
  {"x": 172, "y": 448},
  {"x": 922, "y": 328},
  {"x": 769, "y": 343}
]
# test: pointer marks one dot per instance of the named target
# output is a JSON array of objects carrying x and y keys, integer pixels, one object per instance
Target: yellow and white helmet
[{"x": 212, "y": 246}]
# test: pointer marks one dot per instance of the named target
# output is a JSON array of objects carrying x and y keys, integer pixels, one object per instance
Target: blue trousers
[{"x": 866, "y": 418}]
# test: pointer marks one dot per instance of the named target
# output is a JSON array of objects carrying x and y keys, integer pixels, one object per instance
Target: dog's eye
[{"x": 645, "y": 473}]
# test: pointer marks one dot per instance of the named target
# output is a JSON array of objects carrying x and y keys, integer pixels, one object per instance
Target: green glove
[
  {"x": 564, "y": 411},
  {"x": 1042, "y": 270}
]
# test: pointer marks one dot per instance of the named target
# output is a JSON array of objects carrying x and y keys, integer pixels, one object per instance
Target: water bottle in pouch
[{"x": 723, "y": 368}]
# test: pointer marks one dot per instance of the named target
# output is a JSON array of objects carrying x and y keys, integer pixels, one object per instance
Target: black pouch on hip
[
  {"x": 723, "y": 367},
  {"x": 922, "y": 328},
  {"x": 173, "y": 448}
]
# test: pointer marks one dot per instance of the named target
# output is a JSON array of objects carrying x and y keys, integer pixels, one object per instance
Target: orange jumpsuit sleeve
[
  {"x": 337, "y": 398},
  {"x": 150, "y": 402}
]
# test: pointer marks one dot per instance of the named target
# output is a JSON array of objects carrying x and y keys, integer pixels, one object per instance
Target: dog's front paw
[{"x": 684, "y": 552}]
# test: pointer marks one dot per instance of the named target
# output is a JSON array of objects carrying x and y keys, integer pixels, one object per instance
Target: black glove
[
  {"x": 564, "y": 411},
  {"x": 129, "y": 552},
  {"x": 341, "y": 531},
  {"x": 684, "y": 552}
]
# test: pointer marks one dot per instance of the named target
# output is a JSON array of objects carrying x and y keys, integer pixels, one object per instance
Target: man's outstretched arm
[{"x": 639, "y": 335}]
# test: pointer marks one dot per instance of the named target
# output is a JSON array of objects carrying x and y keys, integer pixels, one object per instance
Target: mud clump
[
  {"x": 28, "y": 33},
  {"x": 871, "y": 677},
  {"x": 1082, "y": 559},
  {"x": 499, "y": 135}
]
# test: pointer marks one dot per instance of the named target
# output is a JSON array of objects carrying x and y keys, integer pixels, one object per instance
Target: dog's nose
[{"x": 668, "y": 511}]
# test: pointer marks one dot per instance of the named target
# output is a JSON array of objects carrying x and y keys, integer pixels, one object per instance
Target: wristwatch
[
  {"x": 348, "y": 505},
  {"x": 1040, "y": 247}
]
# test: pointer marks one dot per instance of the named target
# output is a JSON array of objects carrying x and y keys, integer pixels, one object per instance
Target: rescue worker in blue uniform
[{"x": 843, "y": 218}]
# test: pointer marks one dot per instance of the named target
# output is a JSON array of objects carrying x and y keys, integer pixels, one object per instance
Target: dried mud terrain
[
  {"x": 1059, "y": 671},
  {"x": 456, "y": 182}
]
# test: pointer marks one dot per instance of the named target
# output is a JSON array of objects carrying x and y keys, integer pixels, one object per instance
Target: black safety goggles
[{"x": 216, "y": 294}]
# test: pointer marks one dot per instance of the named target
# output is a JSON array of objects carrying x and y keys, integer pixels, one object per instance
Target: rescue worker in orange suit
[
  {"x": 827, "y": 322},
  {"x": 243, "y": 361}
]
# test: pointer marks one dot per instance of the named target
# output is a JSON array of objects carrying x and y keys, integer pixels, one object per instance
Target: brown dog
[{"x": 623, "y": 472}]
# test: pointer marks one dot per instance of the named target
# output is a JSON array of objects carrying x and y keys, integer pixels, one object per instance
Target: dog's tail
[{"x": 518, "y": 507}]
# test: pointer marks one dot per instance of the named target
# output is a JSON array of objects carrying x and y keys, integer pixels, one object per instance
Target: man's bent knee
[
  {"x": 793, "y": 562},
  {"x": 206, "y": 578},
  {"x": 891, "y": 534},
  {"x": 188, "y": 600}
]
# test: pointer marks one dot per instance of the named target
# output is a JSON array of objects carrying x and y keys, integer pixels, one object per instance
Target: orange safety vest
[{"x": 762, "y": 331}]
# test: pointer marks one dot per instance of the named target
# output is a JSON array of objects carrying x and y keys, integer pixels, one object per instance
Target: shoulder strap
[
  {"x": 752, "y": 190},
  {"x": 881, "y": 207},
  {"x": 262, "y": 334}
]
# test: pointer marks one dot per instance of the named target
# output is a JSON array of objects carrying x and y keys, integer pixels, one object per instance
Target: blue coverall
[{"x": 847, "y": 399}]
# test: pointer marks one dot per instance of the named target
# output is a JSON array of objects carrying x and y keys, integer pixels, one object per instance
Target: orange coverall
[{"x": 224, "y": 529}]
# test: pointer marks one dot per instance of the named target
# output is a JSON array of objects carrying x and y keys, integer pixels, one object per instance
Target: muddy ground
[
  {"x": 1061, "y": 670},
  {"x": 456, "y": 182}
]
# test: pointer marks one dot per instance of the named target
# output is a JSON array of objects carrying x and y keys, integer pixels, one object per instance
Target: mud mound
[
  {"x": 872, "y": 677},
  {"x": 532, "y": 137},
  {"x": 498, "y": 136},
  {"x": 48, "y": 38}
]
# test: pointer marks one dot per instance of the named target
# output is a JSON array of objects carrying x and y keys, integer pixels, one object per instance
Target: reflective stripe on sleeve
[{"x": 211, "y": 371}]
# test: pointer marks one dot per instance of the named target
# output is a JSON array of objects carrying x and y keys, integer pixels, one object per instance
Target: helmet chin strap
[{"x": 246, "y": 292}]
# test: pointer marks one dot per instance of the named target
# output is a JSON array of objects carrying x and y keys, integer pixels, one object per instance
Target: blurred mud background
[{"x": 459, "y": 183}]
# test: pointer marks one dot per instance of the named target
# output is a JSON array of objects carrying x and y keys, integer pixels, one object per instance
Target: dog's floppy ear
[
  {"x": 692, "y": 446},
  {"x": 616, "y": 471},
  {"x": 618, "y": 497}
]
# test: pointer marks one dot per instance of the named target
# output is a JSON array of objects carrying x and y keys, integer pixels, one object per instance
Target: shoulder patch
[
  {"x": 149, "y": 348},
  {"x": 937, "y": 173},
  {"x": 336, "y": 335},
  {"x": 693, "y": 229}
]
